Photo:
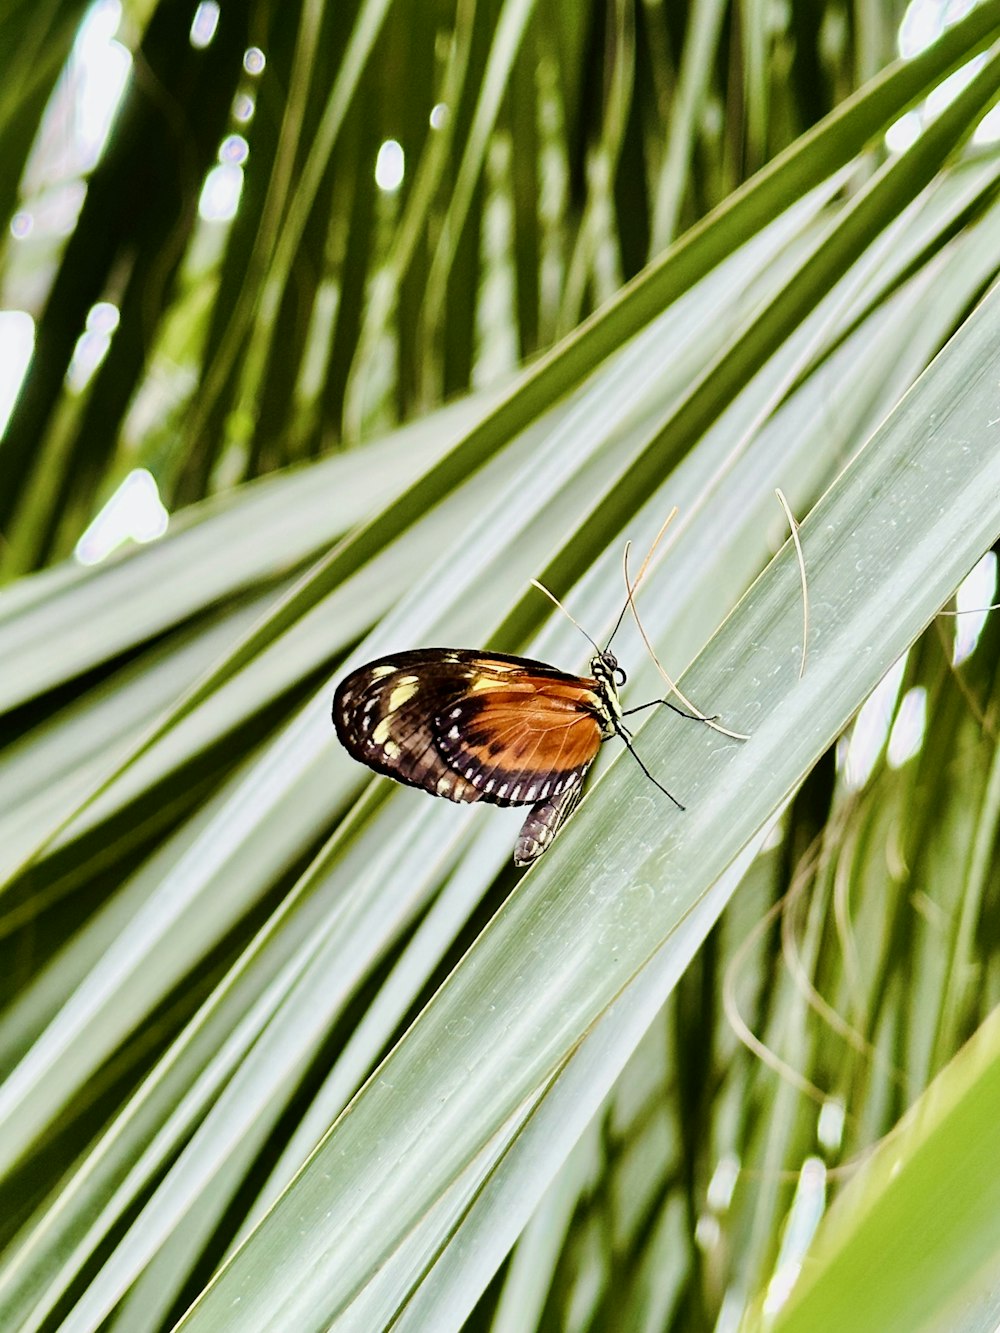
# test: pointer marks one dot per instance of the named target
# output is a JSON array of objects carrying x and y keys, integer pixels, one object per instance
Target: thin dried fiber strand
[
  {"x": 670, "y": 684},
  {"x": 794, "y": 528}
]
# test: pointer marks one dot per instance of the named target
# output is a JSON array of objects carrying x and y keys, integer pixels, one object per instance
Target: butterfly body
[{"x": 474, "y": 726}]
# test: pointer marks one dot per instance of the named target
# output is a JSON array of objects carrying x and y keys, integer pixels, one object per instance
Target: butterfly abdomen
[{"x": 543, "y": 823}]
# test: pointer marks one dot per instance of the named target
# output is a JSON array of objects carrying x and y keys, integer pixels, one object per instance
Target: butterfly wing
[
  {"x": 471, "y": 726},
  {"x": 521, "y": 742},
  {"x": 383, "y": 714}
]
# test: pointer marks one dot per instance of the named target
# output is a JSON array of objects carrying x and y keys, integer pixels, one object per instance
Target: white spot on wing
[
  {"x": 491, "y": 784},
  {"x": 503, "y": 790},
  {"x": 530, "y": 794},
  {"x": 454, "y": 734}
]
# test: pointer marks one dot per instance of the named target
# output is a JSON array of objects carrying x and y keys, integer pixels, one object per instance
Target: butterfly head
[{"x": 606, "y": 669}]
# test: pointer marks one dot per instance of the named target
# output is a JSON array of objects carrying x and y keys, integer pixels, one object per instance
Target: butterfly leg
[
  {"x": 654, "y": 703},
  {"x": 627, "y": 738}
]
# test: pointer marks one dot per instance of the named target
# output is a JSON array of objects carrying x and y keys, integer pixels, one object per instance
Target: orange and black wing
[
  {"x": 472, "y": 726},
  {"x": 520, "y": 741}
]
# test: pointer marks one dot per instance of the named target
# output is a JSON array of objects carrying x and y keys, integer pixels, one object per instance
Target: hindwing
[{"x": 519, "y": 745}]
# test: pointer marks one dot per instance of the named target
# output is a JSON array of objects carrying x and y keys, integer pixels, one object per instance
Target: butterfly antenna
[
  {"x": 629, "y": 592},
  {"x": 671, "y": 686},
  {"x": 556, "y": 602},
  {"x": 618, "y": 622}
]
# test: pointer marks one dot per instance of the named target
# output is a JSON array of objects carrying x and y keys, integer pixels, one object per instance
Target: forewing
[
  {"x": 543, "y": 823},
  {"x": 522, "y": 741},
  {"x": 384, "y": 714}
]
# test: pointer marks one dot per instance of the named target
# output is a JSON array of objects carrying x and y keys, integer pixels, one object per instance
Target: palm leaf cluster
[{"x": 286, "y": 1047}]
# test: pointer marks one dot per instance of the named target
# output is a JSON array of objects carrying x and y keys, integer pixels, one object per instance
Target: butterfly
[{"x": 476, "y": 726}]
